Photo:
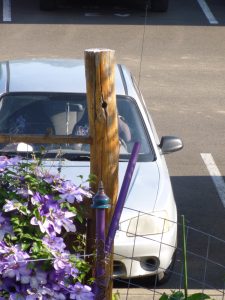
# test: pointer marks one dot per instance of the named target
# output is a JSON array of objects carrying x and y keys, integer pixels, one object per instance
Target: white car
[{"x": 49, "y": 96}]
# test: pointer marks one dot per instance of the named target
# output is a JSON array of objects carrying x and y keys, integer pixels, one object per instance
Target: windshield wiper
[{"x": 76, "y": 156}]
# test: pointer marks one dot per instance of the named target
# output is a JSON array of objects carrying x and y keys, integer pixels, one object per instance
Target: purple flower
[
  {"x": 54, "y": 243},
  {"x": 57, "y": 276},
  {"x": 80, "y": 292},
  {"x": 62, "y": 263},
  {"x": 38, "y": 278},
  {"x": 21, "y": 279},
  {"x": 54, "y": 295},
  {"x": 9, "y": 285},
  {"x": 5, "y": 227},
  {"x": 18, "y": 270},
  {"x": 16, "y": 265},
  {"x": 3, "y": 162},
  {"x": 16, "y": 205},
  {"x": 70, "y": 192},
  {"x": 46, "y": 176},
  {"x": 55, "y": 220},
  {"x": 14, "y": 160},
  {"x": 62, "y": 219},
  {"x": 24, "y": 192},
  {"x": 17, "y": 296},
  {"x": 46, "y": 203},
  {"x": 4, "y": 248},
  {"x": 10, "y": 205}
]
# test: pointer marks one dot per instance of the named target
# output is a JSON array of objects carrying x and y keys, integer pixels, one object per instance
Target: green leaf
[
  {"x": 37, "y": 214},
  {"x": 164, "y": 297},
  {"x": 177, "y": 295},
  {"x": 79, "y": 218},
  {"x": 25, "y": 246},
  {"x": 198, "y": 296},
  {"x": 31, "y": 237}
]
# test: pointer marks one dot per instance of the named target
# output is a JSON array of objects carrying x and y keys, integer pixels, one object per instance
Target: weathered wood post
[{"x": 102, "y": 113}]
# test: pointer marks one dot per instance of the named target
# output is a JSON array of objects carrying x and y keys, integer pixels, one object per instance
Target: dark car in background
[{"x": 154, "y": 5}]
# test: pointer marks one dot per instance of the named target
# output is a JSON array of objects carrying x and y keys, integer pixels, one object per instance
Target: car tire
[
  {"x": 159, "y": 5},
  {"x": 163, "y": 277},
  {"x": 47, "y": 4}
]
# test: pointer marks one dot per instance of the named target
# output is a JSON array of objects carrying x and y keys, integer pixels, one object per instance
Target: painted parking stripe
[
  {"x": 209, "y": 15},
  {"x": 215, "y": 174},
  {"x": 7, "y": 11}
]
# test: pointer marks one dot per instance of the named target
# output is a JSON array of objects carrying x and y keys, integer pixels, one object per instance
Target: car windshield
[{"x": 66, "y": 114}]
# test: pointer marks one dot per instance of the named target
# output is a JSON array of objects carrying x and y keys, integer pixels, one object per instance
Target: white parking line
[
  {"x": 215, "y": 175},
  {"x": 209, "y": 15},
  {"x": 7, "y": 11}
]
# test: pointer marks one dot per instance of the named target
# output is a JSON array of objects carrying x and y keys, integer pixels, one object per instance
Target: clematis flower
[
  {"x": 3, "y": 162},
  {"x": 18, "y": 270},
  {"x": 37, "y": 279},
  {"x": 62, "y": 263},
  {"x": 62, "y": 219},
  {"x": 4, "y": 249},
  {"x": 9, "y": 285},
  {"x": 54, "y": 243},
  {"x": 5, "y": 226},
  {"x": 55, "y": 220},
  {"x": 70, "y": 192},
  {"x": 10, "y": 205},
  {"x": 24, "y": 192},
  {"x": 17, "y": 296},
  {"x": 47, "y": 176},
  {"x": 13, "y": 161},
  {"x": 15, "y": 265},
  {"x": 15, "y": 205},
  {"x": 50, "y": 293},
  {"x": 46, "y": 203},
  {"x": 21, "y": 277},
  {"x": 80, "y": 292}
]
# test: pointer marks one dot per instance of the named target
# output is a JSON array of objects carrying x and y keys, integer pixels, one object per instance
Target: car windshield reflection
[{"x": 66, "y": 114}]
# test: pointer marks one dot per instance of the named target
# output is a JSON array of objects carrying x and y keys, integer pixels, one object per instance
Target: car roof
[{"x": 51, "y": 75}]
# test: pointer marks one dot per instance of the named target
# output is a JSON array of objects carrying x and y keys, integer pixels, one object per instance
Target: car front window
[{"x": 66, "y": 114}]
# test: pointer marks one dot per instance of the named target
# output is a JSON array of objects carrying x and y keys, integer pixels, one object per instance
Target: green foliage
[
  {"x": 116, "y": 296},
  {"x": 179, "y": 295}
]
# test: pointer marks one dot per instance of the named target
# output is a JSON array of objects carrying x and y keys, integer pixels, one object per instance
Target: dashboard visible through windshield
[{"x": 66, "y": 114}]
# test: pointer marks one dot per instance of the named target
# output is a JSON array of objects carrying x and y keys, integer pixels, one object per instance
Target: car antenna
[{"x": 143, "y": 40}]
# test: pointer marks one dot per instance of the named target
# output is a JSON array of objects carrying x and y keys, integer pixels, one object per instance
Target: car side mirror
[{"x": 169, "y": 144}]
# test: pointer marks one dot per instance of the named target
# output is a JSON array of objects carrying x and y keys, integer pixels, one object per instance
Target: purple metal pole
[
  {"x": 122, "y": 197},
  {"x": 100, "y": 254},
  {"x": 100, "y": 202},
  {"x": 100, "y": 238}
]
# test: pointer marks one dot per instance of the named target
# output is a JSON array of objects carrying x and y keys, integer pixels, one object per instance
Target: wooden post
[{"x": 103, "y": 120}]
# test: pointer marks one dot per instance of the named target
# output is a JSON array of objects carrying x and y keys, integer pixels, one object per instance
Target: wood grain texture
[{"x": 103, "y": 120}]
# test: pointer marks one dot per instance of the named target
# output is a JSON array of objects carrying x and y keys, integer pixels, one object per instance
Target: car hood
[{"x": 144, "y": 186}]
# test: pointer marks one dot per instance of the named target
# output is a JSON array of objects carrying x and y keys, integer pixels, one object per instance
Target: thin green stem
[{"x": 185, "y": 258}]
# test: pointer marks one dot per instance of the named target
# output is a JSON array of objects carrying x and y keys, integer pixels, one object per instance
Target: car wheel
[
  {"x": 163, "y": 277},
  {"x": 47, "y": 4},
  {"x": 159, "y": 5}
]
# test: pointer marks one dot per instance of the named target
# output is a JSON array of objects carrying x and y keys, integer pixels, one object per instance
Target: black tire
[
  {"x": 47, "y": 4},
  {"x": 159, "y": 5}
]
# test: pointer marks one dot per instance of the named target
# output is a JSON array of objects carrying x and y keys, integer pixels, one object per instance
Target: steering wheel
[{"x": 123, "y": 145}]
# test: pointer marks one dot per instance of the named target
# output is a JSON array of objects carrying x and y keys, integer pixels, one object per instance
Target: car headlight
[{"x": 146, "y": 224}]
